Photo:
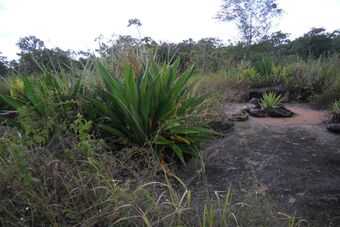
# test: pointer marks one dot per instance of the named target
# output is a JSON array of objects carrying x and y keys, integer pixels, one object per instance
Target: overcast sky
[{"x": 74, "y": 24}]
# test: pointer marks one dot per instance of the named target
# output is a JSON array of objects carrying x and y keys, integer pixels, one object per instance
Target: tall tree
[
  {"x": 253, "y": 18},
  {"x": 30, "y": 44}
]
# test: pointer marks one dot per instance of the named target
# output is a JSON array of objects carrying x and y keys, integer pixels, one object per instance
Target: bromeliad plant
[
  {"x": 271, "y": 100},
  {"x": 157, "y": 109}
]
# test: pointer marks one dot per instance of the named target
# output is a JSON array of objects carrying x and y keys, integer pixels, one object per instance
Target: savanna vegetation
[{"x": 96, "y": 138}]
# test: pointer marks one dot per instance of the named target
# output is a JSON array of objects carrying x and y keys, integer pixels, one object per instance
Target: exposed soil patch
[
  {"x": 303, "y": 116},
  {"x": 294, "y": 162}
]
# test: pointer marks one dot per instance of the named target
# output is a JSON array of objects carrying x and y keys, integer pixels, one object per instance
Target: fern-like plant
[{"x": 271, "y": 100}]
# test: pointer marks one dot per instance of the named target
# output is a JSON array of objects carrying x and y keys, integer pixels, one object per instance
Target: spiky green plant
[
  {"x": 271, "y": 100},
  {"x": 156, "y": 109},
  {"x": 40, "y": 92}
]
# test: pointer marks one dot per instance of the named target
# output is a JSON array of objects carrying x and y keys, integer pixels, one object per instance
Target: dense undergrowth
[{"x": 316, "y": 81}]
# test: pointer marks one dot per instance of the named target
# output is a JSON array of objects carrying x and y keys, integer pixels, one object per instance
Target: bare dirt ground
[{"x": 293, "y": 162}]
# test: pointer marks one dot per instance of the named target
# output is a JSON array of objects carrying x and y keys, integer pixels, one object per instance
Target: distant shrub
[
  {"x": 257, "y": 79},
  {"x": 313, "y": 80}
]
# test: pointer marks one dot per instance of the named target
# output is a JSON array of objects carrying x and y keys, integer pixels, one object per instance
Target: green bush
[
  {"x": 157, "y": 109},
  {"x": 314, "y": 80}
]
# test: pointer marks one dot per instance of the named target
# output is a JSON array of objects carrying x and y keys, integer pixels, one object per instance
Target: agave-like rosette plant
[
  {"x": 271, "y": 100},
  {"x": 154, "y": 109}
]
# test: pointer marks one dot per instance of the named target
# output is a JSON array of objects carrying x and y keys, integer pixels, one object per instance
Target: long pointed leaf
[{"x": 12, "y": 102}]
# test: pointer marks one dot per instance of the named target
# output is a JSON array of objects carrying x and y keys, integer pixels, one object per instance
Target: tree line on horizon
[{"x": 209, "y": 54}]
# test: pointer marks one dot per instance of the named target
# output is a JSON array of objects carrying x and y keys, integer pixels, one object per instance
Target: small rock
[
  {"x": 333, "y": 127},
  {"x": 333, "y": 123},
  {"x": 279, "y": 112},
  {"x": 291, "y": 200},
  {"x": 255, "y": 102},
  {"x": 257, "y": 112},
  {"x": 221, "y": 126},
  {"x": 239, "y": 117}
]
